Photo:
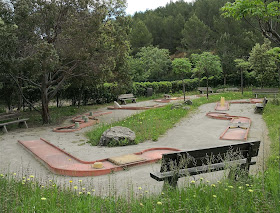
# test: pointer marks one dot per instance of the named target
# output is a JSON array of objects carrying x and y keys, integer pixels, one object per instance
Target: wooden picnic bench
[
  {"x": 124, "y": 97},
  {"x": 231, "y": 89},
  {"x": 12, "y": 118},
  {"x": 260, "y": 106},
  {"x": 192, "y": 162},
  {"x": 203, "y": 90},
  {"x": 266, "y": 91}
]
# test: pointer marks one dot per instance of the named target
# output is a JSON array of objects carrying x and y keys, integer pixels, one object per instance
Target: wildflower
[
  {"x": 159, "y": 203},
  {"x": 192, "y": 181},
  {"x": 240, "y": 187},
  {"x": 93, "y": 190},
  {"x": 22, "y": 182},
  {"x": 213, "y": 185},
  {"x": 70, "y": 181},
  {"x": 80, "y": 193},
  {"x": 214, "y": 196},
  {"x": 201, "y": 178},
  {"x": 250, "y": 190},
  {"x": 230, "y": 187},
  {"x": 69, "y": 158},
  {"x": 53, "y": 185},
  {"x": 139, "y": 187},
  {"x": 207, "y": 181},
  {"x": 162, "y": 193},
  {"x": 247, "y": 185},
  {"x": 226, "y": 189},
  {"x": 31, "y": 176},
  {"x": 218, "y": 181},
  {"x": 42, "y": 186},
  {"x": 83, "y": 189},
  {"x": 88, "y": 193},
  {"x": 1, "y": 175},
  {"x": 28, "y": 179},
  {"x": 43, "y": 198},
  {"x": 15, "y": 174},
  {"x": 50, "y": 180},
  {"x": 75, "y": 187},
  {"x": 141, "y": 204},
  {"x": 146, "y": 191},
  {"x": 80, "y": 181},
  {"x": 23, "y": 177},
  {"x": 194, "y": 195}
]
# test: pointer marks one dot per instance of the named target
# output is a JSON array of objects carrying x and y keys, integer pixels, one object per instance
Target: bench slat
[
  {"x": 15, "y": 121},
  {"x": 161, "y": 176}
]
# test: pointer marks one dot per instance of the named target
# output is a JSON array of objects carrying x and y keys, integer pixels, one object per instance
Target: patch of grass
[
  {"x": 151, "y": 124},
  {"x": 148, "y": 125}
]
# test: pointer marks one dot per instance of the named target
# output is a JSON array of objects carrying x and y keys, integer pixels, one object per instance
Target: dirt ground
[{"x": 195, "y": 131}]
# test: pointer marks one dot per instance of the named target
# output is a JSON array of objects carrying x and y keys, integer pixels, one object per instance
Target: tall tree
[
  {"x": 139, "y": 36},
  {"x": 209, "y": 65},
  {"x": 59, "y": 37},
  {"x": 260, "y": 14},
  {"x": 196, "y": 35},
  {"x": 243, "y": 66},
  {"x": 182, "y": 66},
  {"x": 263, "y": 63}
]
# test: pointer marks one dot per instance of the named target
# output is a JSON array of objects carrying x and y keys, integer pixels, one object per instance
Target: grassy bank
[{"x": 257, "y": 194}]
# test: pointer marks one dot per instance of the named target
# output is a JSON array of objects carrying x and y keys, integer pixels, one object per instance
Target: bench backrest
[
  {"x": 124, "y": 96},
  {"x": 266, "y": 90},
  {"x": 194, "y": 158},
  {"x": 7, "y": 116},
  {"x": 204, "y": 89},
  {"x": 232, "y": 89}
]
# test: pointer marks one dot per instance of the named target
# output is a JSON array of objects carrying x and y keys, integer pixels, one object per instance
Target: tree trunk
[
  {"x": 225, "y": 80},
  {"x": 184, "y": 89},
  {"x": 241, "y": 81},
  {"x": 45, "y": 102},
  {"x": 207, "y": 86}
]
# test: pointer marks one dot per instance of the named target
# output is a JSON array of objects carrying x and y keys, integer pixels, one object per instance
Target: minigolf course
[{"x": 63, "y": 163}]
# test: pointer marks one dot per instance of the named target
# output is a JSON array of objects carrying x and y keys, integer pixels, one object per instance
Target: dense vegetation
[{"x": 71, "y": 49}]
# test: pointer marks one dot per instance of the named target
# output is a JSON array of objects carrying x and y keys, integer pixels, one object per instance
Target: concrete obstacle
[{"x": 116, "y": 105}]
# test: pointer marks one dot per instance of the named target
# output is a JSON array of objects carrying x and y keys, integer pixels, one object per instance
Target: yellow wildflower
[
  {"x": 88, "y": 193},
  {"x": 31, "y": 176},
  {"x": 80, "y": 193},
  {"x": 43, "y": 198},
  {"x": 75, "y": 187},
  {"x": 141, "y": 204},
  {"x": 250, "y": 190},
  {"x": 159, "y": 203},
  {"x": 230, "y": 187},
  {"x": 192, "y": 181},
  {"x": 214, "y": 196},
  {"x": 70, "y": 181},
  {"x": 213, "y": 185}
]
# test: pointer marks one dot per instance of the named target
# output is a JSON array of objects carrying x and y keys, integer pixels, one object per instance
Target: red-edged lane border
[
  {"x": 135, "y": 108},
  {"x": 238, "y": 128},
  {"x": 60, "y": 162}
]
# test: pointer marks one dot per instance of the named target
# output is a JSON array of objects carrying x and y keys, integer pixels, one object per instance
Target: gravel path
[{"x": 195, "y": 131}]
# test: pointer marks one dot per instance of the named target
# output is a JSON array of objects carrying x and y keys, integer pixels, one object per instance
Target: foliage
[
  {"x": 263, "y": 64},
  {"x": 196, "y": 35},
  {"x": 265, "y": 13},
  {"x": 150, "y": 63},
  {"x": 139, "y": 36}
]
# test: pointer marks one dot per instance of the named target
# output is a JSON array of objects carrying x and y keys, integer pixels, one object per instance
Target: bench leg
[
  {"x": 170, "y": 183},
  {"x": 23, "y": 123},
  {"x": 5, "y": 129},
  {"x": 133, "y": 100}
]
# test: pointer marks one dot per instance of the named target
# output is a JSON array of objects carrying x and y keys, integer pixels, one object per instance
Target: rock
[
  {"x": 117, "y": 136},
  {"x": 186, "y": 108},
  {"x": 188, "y": 102}
]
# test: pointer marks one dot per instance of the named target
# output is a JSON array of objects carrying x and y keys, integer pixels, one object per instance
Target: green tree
[
  {"x": 150, "y": 63},
  {"x": 182, "y": 66},
  {"x": 58, "y": 38},
  {"x": 208, "y": 65},
  {"x": 139, "y": 36},
  {"x": 260, "y": 14},
  {"x": 196, "y": 35},
  {"x": 263, "y": 63},
  {"x": 275, "y": 53},
  {"x": 243, "y": 66}
]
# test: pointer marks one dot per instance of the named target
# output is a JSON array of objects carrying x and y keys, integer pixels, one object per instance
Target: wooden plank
[{"x": 15, "y": 121}]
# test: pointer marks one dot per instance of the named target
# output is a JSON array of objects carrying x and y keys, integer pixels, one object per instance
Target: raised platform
[{"x": 63, "y": 163}]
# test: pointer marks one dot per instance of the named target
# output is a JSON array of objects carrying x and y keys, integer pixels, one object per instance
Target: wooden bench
[
  {"x": 15, "y": 119},
  {"x": 260, "y": 106},
  {"x": 203, "y": 90},
  {"x": 265, "y": 91},
  {"x": 186, "y": 163},
  {"x": 124, "y": 97},
  {"x": 231, "y": 89}
]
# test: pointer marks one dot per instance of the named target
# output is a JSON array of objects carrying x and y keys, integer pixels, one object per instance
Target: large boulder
[{"x": 117, "y": 136}]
